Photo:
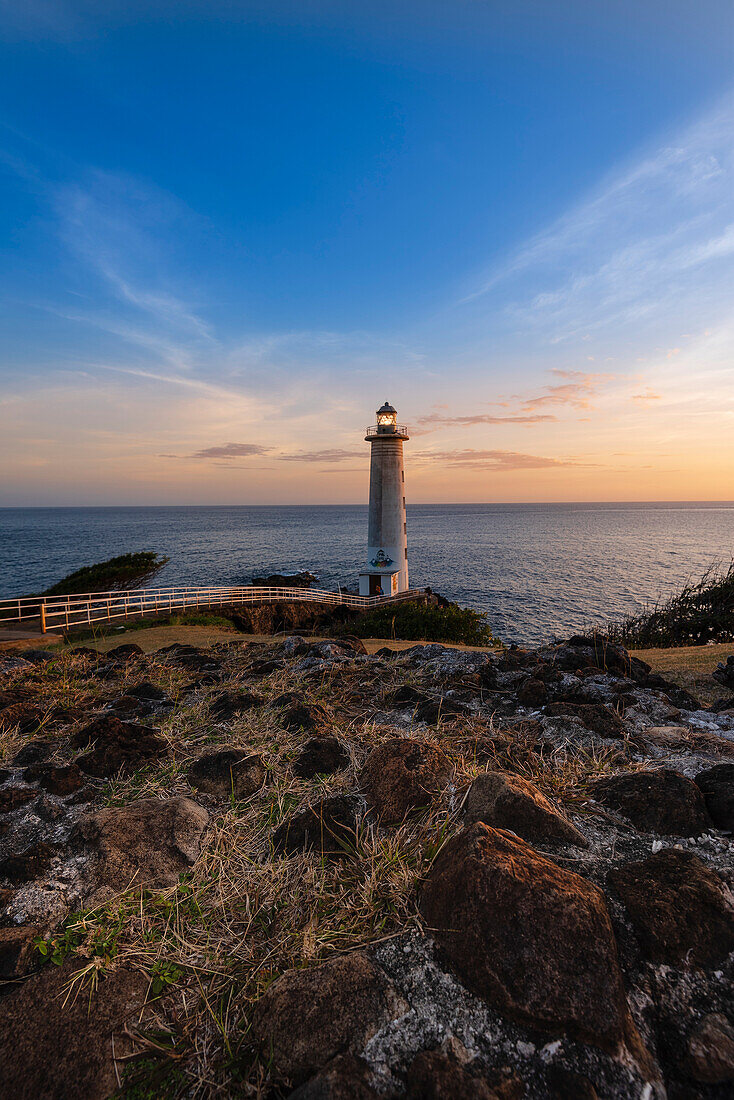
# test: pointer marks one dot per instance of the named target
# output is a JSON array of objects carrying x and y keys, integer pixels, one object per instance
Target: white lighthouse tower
[{"x": 386, "y": 572}]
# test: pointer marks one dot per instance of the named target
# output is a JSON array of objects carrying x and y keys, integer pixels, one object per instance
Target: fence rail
[
  {"x": 397, "y": 430},
  {"x": 62, "y": 612}
]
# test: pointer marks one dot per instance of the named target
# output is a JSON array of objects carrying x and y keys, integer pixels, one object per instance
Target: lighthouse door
[{"x": 376, "y": 586}]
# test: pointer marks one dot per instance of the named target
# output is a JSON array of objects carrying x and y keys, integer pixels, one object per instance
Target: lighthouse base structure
[{"x": 379, "y": 582}]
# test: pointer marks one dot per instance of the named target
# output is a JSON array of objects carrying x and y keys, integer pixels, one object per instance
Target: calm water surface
[{"x": 537, "y": 570}]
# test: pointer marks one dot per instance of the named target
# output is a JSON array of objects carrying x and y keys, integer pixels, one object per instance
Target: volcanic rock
[
  {"x": 128, "y": 704},
  {"x": 595, "y": 716},
  {"x": 148, "y": 691},
  {"x": 264, "y": 668},
  {"x": 26, "y": 717},
  {"x": 402, "y": 774},
  {"x": 532, "y": 693},
  {"x": 679, "y": 908},
  {"x": 346, "y": 1077},
  {"x": 230, "y": 703},
  {"x": 303, "y": 579},
  {"x": 724, "y": 673},
  {"x": 662, "y": 801},
  {"x": 201, "y": 663},
  {"x": 309, "y": 1016},
  {"x": 582, "y": 652},
  {"x": 717, "y": 784},
  {"x": 13, "y": 797},
  {"x": 406, "y": 694},
  {"x": 536, "y": 941},
  {"x": 117, "y": 745},
  {"x": 295, "y": 646},
  {"x": 61, "y": 780},
  {"x": 227, "y": 773},
  {"x": 39, "y": 656},
  {"x": 667, "y": 737},
  {"x": 321, "y": 756},
  {"x": 433, "y": 710},
  {"x": 149, "y": 841},
  {"x": 29, "y": 864},
  {"x": 329, "y": 826},
  {"x": 87, "y": 651},
  {"x": 711, "y": 1050},
  {"x": 32, "y": 753},
  {"x": 17, "y": 954},
  {"x": 567, "y": 1085},
  {"x": 511, "y": 802},
  {"x": 722, "y": 705},
  {"x": 125, "y": 652},
  {"x": 435, "y": 1075},
  {"x": 678, "y": 696},
  {"x": 304, "y": 716},
  {"x": 57, "y": 1046}
]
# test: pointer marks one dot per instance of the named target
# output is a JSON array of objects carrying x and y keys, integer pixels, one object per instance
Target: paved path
[{"x": 12, "y": 638}]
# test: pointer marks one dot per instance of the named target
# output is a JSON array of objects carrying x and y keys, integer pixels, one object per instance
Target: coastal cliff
[{"x": 297, "y": 869}]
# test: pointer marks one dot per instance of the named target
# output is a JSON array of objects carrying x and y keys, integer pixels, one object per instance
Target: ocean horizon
[{"x": 537, "y": 570}]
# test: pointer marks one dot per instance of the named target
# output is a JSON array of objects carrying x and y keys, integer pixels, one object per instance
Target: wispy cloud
[
  {"x": 438, "y": 420},
  {"x": 653, "y": 244},
  {"x": 231, "y": 450},
  {"x": 576, "y": 392},
  {"x": 495, "y": 460},
  {"x": 333, "y": 455},
  {"x": 120, "y": 229}
]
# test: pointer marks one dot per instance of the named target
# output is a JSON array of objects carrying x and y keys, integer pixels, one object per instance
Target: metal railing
[
  {"x": 63, "y": 612},
  {"x": 397, "y": 430}
]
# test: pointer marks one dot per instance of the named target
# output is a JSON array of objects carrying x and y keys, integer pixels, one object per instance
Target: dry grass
[
  {"x": 690, "y": 667},
  {"x": 214, "y": 943}
]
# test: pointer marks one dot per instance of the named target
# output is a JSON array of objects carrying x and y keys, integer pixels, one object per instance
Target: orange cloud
[
  {"x": 438, "y": 421},
  {"x": 576, "y": 391},
  {"x": 334, "y": 455},
  {"x": 231, "y": 450},
  {"x": 495, "y": 460}
]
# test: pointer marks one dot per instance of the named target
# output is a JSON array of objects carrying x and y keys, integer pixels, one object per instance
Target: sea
[{"x": 538, "y": 571}]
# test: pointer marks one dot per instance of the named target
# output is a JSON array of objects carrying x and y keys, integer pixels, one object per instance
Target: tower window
[{"x": 406, "y": 553}]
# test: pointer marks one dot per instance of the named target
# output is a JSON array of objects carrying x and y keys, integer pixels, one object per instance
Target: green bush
[
  {"x": 418, "y": 622},
  {"x": 123, "y": 572},
  {"x": 702, "y": 612}
]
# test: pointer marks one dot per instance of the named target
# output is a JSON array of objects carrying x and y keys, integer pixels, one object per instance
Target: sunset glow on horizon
[{"x": 522, "y": 238}]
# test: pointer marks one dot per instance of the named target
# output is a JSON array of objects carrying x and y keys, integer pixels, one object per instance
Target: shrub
[
  {"x": 117, "y": 574},
  {"x": 702, "y": 612},
  {"x": 418, "y": 622}
]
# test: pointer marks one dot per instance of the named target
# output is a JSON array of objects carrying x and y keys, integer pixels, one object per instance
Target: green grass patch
[{"x": 418, "y": 622}]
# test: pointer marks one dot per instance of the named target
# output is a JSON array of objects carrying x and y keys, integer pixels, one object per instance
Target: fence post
[{"x": 43, "y": 618}]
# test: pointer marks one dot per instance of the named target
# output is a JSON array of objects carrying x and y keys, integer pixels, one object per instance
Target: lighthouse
[{"x": 386, "y": 571}]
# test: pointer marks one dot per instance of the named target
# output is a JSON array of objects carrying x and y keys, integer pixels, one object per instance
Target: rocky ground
[{"x": 300, "y": 870}]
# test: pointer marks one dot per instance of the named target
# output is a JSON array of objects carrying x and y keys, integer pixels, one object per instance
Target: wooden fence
[{"x": 61, "y": 612}]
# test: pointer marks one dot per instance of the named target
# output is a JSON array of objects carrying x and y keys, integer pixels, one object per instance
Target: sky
[{"x": 230, "y": 231}]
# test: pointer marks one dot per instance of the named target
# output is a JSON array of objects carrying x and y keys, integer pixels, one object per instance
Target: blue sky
[{"x": 229, "y": 231}]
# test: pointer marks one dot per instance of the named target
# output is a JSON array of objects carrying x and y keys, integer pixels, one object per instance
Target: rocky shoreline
[{"x": 299, "y": 870}]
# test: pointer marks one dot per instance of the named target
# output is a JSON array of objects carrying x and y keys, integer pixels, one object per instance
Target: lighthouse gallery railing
[
  {"x": 94, "y": 607},
  {"x": 396, "y": 429}
]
